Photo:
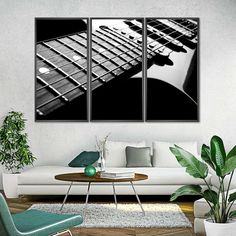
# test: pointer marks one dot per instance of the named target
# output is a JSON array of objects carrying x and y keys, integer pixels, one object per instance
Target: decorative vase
[
  {"x": 10, "y": 183},
  {"x": 101, "y": 162},
  {"x": 220, "y": 229},
  {"x": 89, "y": 171}
]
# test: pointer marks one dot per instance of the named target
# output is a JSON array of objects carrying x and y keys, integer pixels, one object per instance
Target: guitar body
[{"x": 118, "y": 90}]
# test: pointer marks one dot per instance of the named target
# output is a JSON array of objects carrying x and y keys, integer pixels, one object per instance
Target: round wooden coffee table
[{"x": 81, "y": 177}]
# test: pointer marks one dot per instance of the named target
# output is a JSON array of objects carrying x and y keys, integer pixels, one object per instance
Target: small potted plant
[
  {"x": 14, "y": 151},
  {"x": 220, "y": 202}
]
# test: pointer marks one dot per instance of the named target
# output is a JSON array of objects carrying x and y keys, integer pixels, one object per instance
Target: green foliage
[
  {"x": 232, "y": 214},
  {"x": 232, "y": 153},
  {"x": 232, "y": 197},
  {"x": 14, "y": 149},
  {"x": 229, "y": 166},
  {"x": 206, "y": 156},
  {"x": 193, "y": 166},
  {"x": 211, "y": 196},
  {"x": 187, "y": 189},
  {"x": 214, "y": 156},
  {"x": 218, "y": 155}
]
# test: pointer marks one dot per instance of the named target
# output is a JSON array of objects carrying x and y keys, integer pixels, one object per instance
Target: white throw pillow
[
  {"x": 115, "y": 152},
  {"x": 163, "y": 157}
]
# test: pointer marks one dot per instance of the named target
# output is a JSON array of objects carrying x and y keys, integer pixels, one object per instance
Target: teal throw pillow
[{"x": 84, "y": 159}]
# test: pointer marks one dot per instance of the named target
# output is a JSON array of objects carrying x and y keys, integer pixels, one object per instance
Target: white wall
[{"x": 59, "y": 142}]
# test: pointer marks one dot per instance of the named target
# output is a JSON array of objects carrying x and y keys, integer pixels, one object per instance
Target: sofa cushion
[
  {"x": 138, "y": 156},
  {"x": 162, "y": 156},
  {"x": 115, "y": 152},
  {"x": 45, "y": 175},
  {"x": 84, "y": 159}
]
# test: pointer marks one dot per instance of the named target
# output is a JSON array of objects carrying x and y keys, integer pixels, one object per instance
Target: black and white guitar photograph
[{"x": 109, "y": 69}]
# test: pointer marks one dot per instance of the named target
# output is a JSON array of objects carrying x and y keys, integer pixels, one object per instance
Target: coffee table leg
[
  {"x": 114, "y": 192},
  {"x": 139, "y": 202},
  {"x": 87, "y": 196},
  {"x": 64, "y": 201}
]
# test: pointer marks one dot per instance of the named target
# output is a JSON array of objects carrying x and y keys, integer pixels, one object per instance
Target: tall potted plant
[
  {"x": 220, "y": 202},
  {"x": 14, "y": 151}
]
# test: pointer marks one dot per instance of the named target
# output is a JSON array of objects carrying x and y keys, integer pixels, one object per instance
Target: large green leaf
[
  {"x": 232, "y": 197},
  {"x": 218, "y": 155},
  {"x": 193, "y": 166},
  {"x": 187, "y": 190},
  {"x": 206, "y": 156},
  {"x": 230, "y": 165},
  {"x": 232, "y": 214},
  {"x": 231, "y": 153},
  {"x": 211, "y": 196}
]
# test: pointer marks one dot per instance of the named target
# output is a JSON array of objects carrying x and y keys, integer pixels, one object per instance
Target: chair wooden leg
[
  {"x": 63, "y": 232},
  {"x": 69, "y": 232}
]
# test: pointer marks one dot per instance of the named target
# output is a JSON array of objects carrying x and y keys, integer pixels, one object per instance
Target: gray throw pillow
[{"x": 138, "y": 156}]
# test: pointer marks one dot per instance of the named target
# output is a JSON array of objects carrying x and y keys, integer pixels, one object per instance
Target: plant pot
[
  {"x": 10, "y": 185},
  {"x": 220, "y": 229}
]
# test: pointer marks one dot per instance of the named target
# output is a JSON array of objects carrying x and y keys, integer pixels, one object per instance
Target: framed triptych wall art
[{"x": 117, "y": 69}]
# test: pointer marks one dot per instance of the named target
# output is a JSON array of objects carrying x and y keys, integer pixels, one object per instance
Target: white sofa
[{"x": 164, "y": 177}]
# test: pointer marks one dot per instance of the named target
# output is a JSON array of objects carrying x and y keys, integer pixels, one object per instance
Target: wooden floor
[{"x": 18, "y": 205}]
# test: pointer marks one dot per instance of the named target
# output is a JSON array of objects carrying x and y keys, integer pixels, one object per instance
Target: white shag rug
[{"x": 127, "y": 216}]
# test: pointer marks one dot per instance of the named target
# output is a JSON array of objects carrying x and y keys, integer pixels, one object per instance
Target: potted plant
[
  {"x": 14, "y": 151},
  {"x": 220, "y": 202}
]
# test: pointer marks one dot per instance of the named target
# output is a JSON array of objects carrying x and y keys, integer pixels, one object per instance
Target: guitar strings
[
  {"x": 115, "y": 47},
  {"x": 92, "y": 67},
  {"x": 69, "y": 50},
  {"x": 109, "y": 58},
  {"x": 68, "y": 91},
  {"x": 113, "y": 25},
  {"x": 149, "y": 20},
  {"x": 140, "y": 56},
  {"x": 116, "y": 55},
  {"x": 182, "y": 26},
  {"x": 93, "y": 80},
  {"x": 171, "y": 22},
  {"x": 78, "y": 86}
]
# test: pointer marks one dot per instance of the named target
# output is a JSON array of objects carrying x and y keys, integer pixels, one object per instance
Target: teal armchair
[{"x": 34, "y": 222}]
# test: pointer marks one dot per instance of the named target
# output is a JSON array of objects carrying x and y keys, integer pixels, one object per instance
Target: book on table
[{"x": 117, "y": 175}]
